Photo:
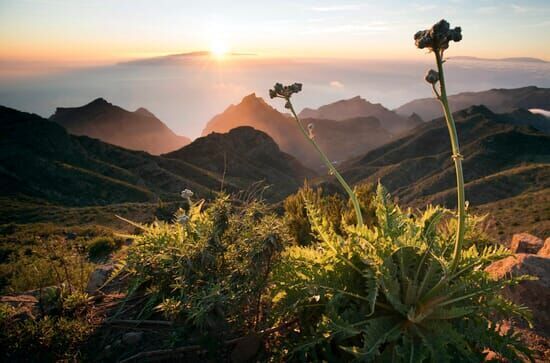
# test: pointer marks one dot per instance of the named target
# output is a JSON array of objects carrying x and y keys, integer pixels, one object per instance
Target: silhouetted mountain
[
  {"x": 359, "y": 107},
  {"x": 139, "y": 130},
  {"x": 245, "y": 155},
  {"x": 501, "y": 160},
  {"x": 497, "y": 100},
  {"x": 41, "y": 161},
  {"x": 173, "y": 59},
  {"x": 340, "y": 139}
]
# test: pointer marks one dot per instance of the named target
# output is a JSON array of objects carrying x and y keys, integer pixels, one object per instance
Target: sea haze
[{"x": 185, "y": 91}]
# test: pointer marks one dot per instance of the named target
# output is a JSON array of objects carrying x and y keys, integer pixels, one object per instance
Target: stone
[
  {"x": 132, "y": 338},
  {"x": 545, "y": 250},
  {"x": 98, "y": 277},
  {"x": 535, "y": 294},
  {"x": 525, "y": 243}
]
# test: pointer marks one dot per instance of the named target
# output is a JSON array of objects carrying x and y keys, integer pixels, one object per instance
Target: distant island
[{"x": 511, "y": 59}]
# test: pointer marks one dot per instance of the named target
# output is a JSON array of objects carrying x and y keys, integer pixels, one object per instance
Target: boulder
[
  {"x": 525, "y": 243},
  {"x": 98, "y": 277},
  {"x": 534, "y": 294},
  {"x": 545, "y": 250}
]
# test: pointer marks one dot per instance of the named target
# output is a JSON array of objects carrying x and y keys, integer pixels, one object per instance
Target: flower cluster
[
  {"x": 285, "y": 91},
  {"x": 437, "y": 38}
]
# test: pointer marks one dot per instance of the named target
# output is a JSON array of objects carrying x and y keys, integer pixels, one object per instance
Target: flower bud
[
  {"x": 432, "y": 76},
  {"x": 186, "y": 194}
]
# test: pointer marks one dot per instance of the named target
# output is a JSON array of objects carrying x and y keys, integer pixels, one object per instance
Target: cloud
[
  {"x": 332, "y": 8},
  {"x": 336, "y": 84}
]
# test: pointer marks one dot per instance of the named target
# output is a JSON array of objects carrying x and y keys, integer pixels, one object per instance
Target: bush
[
  {"x": 334, "y": 208},
  {"x": 101, "y": 247},
  {"x": 210, "y": 269}
]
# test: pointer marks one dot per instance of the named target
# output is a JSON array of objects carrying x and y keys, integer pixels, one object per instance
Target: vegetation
[{"x": 340, "y": 277}]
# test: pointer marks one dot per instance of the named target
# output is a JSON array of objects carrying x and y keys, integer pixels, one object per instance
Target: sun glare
[{"x": 219, "y": 49}]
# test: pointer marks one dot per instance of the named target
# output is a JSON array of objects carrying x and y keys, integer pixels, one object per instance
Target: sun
[{"x": 219, "y": 48}]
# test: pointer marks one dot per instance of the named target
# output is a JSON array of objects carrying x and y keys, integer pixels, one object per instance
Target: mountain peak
[
  {"x": 100, "y": 101},
  {"x": 145, "y": 112},
  {"x": 139, "y": 130}
]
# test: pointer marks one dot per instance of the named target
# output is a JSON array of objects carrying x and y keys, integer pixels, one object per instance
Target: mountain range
[
  {"x": 501, "y": 160},
  {"x": 341, "y": 139},
  {"x": 41, "y": 162},
  {"x": 138, "y": 130},
  {"x": 507, "y": 155},
  {"x": 497, "y": 100},
  {"x": 359, "y": 107}
]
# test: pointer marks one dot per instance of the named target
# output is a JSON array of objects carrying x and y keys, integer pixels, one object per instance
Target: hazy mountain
[
  {"x": 359, "y": 107},
  {"x": 139, "y": 130},
  {"x": 497, "y": 100},
  {"x": 510, "y": 59},
  {"x": 342, "y": 140},
  {"x": 339, "y": 139},
  {"x": 40, "y": 161},
  {"x": 501, "y": 160}
]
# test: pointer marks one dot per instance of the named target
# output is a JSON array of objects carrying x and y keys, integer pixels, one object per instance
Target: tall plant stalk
[
  {"x": 437, "y": 39},
  {"x": 329, "y": 165},
  {"x": 285, "y": 92},
  {"x": 457, "y": 158}
]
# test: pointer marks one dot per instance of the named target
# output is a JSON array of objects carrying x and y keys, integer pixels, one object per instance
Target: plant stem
[
  {"x": 457, "y": 158},
  {"x": 331, "y": 167}
]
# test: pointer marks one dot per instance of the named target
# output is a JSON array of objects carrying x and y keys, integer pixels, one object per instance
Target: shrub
[
  {"x": 210, "y": 268},
  {"x": 101, "y": 247},
  {"x": 334, "y": 208}
]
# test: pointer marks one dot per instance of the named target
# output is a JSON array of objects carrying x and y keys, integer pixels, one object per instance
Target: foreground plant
[
  {"x": 405, "y": 289},
  {"x": 208, "y": 270}
]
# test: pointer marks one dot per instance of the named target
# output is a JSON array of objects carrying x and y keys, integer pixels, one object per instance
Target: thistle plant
[
  {"x": 406, "y": 288},
  {"x": 286, "y": 92},
  {"x": 437, "y": 39}
]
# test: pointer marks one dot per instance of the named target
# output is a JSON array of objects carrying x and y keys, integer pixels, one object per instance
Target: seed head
[
  {"x": 438, "y": 36},
  {"x": 186, "y": 193},
  {"x": 432, "y": 76},
  {"x": 284, "y": 91}
]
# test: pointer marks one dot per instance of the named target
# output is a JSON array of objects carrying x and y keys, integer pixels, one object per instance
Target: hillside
[
  {"x": 245, "y": 155},
  {"x": 139, "y": 130},
  {"x": 359, "y": 107},
  {"x": 41, "y": 163},
  {"x": 340, "y": 139},
  {"x": 501, "y": 161},
  {"x": 497, "y": 100}
]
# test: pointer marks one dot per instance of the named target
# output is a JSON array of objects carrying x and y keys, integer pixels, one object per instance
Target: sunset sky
[{"x": 102, "y": 31}]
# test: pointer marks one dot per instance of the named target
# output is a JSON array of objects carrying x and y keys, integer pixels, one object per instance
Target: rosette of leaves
[{"x": 388, "y": 293}]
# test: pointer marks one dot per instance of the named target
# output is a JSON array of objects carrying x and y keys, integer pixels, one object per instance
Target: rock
[
  {"x": 533, "y": 294},
  {"x": 525, "y": 243},
  {"x": 545, "y": 250},
  {"x": 98, "y": 277},
  {"x": 132, "y": 338}
]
